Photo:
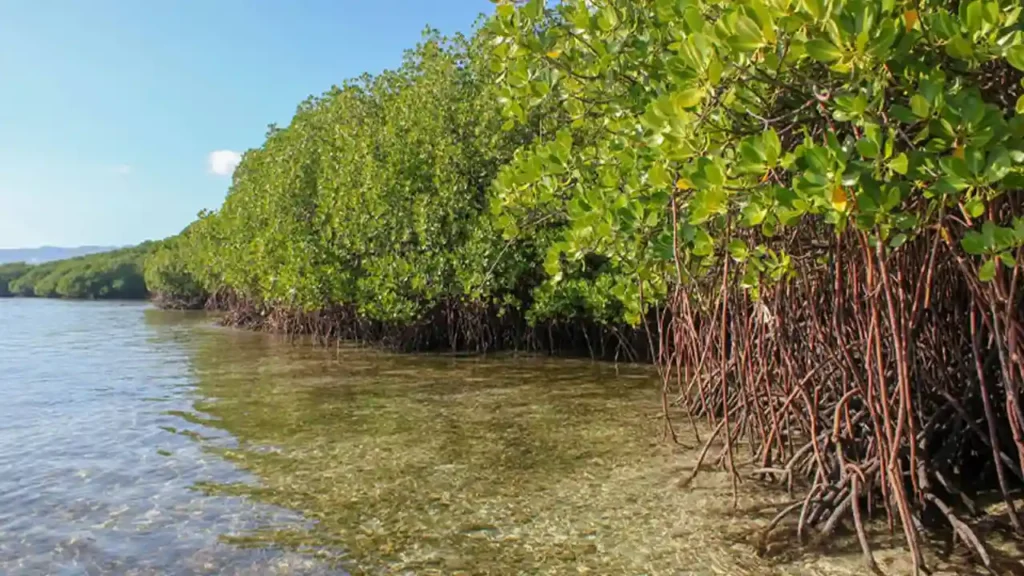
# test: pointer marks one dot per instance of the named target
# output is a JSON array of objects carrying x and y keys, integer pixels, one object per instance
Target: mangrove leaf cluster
[{"x": 817, "y": 204}]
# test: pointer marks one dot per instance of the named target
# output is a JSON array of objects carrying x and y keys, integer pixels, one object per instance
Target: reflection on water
[{"x": 136, "y": 441}]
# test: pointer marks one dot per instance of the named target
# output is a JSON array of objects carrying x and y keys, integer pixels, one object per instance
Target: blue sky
[{"x": 110, "y": 110}]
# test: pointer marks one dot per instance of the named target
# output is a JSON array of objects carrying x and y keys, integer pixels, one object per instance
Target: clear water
[
  {"x": 93, "y": 478},
  {"x": 139, "y": 441}
]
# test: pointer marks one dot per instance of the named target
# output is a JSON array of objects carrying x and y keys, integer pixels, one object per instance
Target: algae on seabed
[{"x": 412, "y": 464}]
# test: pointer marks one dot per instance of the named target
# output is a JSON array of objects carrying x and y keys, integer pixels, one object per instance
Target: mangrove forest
[{"x": 806, "y": 213}]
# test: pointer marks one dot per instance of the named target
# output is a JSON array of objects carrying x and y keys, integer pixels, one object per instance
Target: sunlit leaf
[
  {"x": 987, "y": 271},
  {"x": 823, "y": 50},
  {"x": 838, "y": 198}
]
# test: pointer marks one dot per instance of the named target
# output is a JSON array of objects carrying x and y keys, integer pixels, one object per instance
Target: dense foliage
[
  {"x": 760, "y": 115},
  {"x": 372, "y": 208},
  {"x": 108, "y": 275},
  {"x": 813, "y": 207},
  {"x": 10, "y": 272},
  {"x": 167, "y": 273},
  {"x": 820, "y": 200}
]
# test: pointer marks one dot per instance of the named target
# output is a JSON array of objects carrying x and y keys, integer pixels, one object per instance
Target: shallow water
[
  {"x": 92, "y": 480},
  {"x": 140, "y": 441},
  {"x": 134, "y": 440}
]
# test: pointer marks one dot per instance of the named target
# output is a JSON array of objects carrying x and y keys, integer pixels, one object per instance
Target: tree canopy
[{"x": 376, "y": 196}]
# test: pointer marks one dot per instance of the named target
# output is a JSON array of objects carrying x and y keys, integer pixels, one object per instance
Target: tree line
[
  {"x": 108, "y": 275},
  {"x": 373, "y": 215}
]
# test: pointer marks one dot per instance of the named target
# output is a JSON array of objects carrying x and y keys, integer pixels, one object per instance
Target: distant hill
[{"x": 48, "y": 253}]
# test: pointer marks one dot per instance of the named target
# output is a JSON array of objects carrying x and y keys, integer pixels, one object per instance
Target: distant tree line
[{"x": 109, "y": 275}]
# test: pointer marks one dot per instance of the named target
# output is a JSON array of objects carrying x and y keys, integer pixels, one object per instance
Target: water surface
[
  {"x": 134, "y": 440},
  {"x": 93, "y": 478},
  {"x": 140, "y": 441}
]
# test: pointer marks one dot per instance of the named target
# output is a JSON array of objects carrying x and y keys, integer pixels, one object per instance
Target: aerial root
[{"x": 861, "y": 390}]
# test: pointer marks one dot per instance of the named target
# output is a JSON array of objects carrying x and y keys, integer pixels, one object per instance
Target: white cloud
[
  {"x": 223, "y": 162},
  {"x": 122, "y": 169}
]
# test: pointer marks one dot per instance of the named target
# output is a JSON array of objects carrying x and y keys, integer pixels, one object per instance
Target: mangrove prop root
[
  {"x": 866, "y": 392},
  {"x": 887, "y": 381},
  {"x": 451, "y": 325}
]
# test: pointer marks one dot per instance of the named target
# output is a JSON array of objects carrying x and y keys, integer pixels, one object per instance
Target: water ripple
[{"x": 97, "y": 468}]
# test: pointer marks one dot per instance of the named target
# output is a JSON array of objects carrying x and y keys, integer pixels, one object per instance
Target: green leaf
[
  {"x": 748, "y": 32},
  {"x": 903, "y": 114},
  {"x": 973, "y": 243},
  {"x": 506, "y": 10},
  {"x": 665, "y": 9},
  {"x": 973, "y": 112},
  {"x": 553, "y": 261},
  {"x": 664, "y": 247},
  {"x": 752, "y": 215},
  {"x": 703, "y": 245},
  {"x": 898, "y": 240},
  {"x": 1007, "y": 259},
  {"x": 892, "y": 197},
  {"x": 991, "y": 11},
  {"x": 659, "y": 176},
  {"x": 533, "y": 9},
  {"x": 713, "y": 174},
  {"x": 823, "y": 50},
  {"x": 606, "y": 19},
  {"x": 975, "y": 207},
  {"x": 714, "y": 71},
  {"x": 738, "y": 250},
  {"x": 960, "y": 47},
  {"x": 867, "y": 148},
  {"x": 865, "y": 202},
  {"x": 920, "y": 106},
  {"x": 987, "y": 271},
  {"x": 1015, "y": 56},
  {"x": 772, "y": 146},
  {"x": 1003, "y": 238},
  {"x": 899, "y": 164},
  {"x": 988, "y": 232},
  {"x": 973, "y": 18},
  {"x": 955, "y": 167},
  {"x": 664, "y": 106},
  {"x": 879, "y": 48},
  {"x": 689, "y": 98},
  {"x": 942, "y": 23},
  {"x": 751, "y": 150},
  {"x": 999, "y": 164},
  {"x": 1020, "y": 105},
  {"x": 816, "y": 8},
  {"x": 750, "y": 278},
  {"x": 691, "y": 15},
  {"x": 949, "y": 185},
  {"x": 975, "y": 159},
  {"x": 817, "y": 159}
]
